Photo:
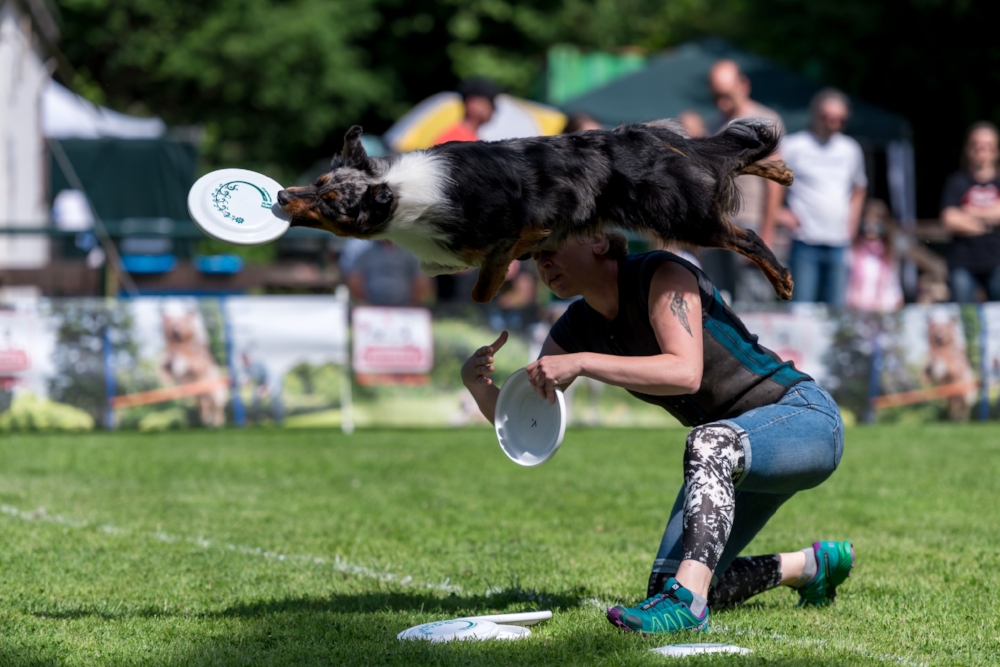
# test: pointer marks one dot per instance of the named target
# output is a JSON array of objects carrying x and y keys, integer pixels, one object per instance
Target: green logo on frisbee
[{"x": 220, "y": 198}]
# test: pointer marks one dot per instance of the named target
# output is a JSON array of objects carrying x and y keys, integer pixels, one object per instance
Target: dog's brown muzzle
[{"x": 297, "y": 203}]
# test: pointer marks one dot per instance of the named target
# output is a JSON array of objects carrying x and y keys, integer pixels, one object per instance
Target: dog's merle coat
[{"x": 474, "y": 204}]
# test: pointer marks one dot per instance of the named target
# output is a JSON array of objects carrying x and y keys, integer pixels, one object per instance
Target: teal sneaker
[
  {"x": 834, "y": 561},
  {"x": 661, "y": 614}
]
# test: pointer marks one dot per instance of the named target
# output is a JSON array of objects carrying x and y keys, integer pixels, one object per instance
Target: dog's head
[
  {"x": 941, "y": 335},
  {"x": 349, "y": 200},
  {"x": 179, "y": 329}
]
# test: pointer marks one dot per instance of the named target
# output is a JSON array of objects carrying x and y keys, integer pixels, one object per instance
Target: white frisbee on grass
[
  {"x": 518, "y": 618},
  {"x": 463, "y": 629},
  {"x": 529, "y": 427},
  {"x": 697, "y": 649},
  {"x": 238, "y": 206}
]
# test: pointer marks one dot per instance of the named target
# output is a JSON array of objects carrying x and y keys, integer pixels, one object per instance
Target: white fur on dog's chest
[
  {"x": 434, "y": 258},
  {"x": 418, "y": 181}
]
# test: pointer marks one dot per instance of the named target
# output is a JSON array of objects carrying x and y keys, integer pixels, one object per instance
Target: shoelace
[{"x": 649, "y": 603}]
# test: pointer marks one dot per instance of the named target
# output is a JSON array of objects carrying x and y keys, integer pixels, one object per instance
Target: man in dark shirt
[
  {"x": 970, "y": 209},
  {"x": 655, "y": 325}
]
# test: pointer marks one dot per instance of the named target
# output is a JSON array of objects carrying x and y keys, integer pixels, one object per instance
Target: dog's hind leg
[
  {"x": 748, "y": 244},
  {"x": 774, "y": 170}
]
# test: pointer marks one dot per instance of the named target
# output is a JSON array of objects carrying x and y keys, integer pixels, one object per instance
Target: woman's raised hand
[{"x": 477, "y": 368}]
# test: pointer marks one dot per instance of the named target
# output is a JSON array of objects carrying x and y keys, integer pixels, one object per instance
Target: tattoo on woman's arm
[{"x": 680, "y": 308}]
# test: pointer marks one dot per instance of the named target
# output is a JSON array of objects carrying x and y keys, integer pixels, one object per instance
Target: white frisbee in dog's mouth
[
  {"x": 529, "y": 427},
  {"x": 238, "y": 206}
]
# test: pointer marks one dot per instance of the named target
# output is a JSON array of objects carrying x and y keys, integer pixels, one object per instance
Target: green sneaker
[
  {"x": 834, "y": 561},
  {"x": 661, "y": 614}
]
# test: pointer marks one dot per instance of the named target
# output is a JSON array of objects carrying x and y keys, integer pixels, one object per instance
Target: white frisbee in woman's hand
[
  {"x": 529, "y": 427},
  {"x": 238, "y": 206}
]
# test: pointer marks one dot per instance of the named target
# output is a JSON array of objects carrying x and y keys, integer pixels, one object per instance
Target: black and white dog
[{"x": 462, "y": 205}]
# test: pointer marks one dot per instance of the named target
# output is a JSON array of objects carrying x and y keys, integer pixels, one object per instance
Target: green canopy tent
[{"x": 676, "y": 81}]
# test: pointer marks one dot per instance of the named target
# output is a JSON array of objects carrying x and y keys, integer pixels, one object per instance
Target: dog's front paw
[{"x": 491, "y": 277}]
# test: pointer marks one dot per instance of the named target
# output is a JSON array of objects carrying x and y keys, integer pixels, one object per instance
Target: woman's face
[
  {"x": 982, "y": 149},
  {"x": 568, "y": 270}
]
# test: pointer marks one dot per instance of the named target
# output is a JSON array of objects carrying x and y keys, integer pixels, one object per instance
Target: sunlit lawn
[{"x": 274, "y": 547}]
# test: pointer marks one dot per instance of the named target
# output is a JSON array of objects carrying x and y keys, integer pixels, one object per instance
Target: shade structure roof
[
  {"x": 514, "y": 117},
  {"x": 676, "y": 81}
]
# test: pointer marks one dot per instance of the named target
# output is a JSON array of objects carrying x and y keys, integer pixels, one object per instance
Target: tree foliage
[{"x": 275, "y": 83}]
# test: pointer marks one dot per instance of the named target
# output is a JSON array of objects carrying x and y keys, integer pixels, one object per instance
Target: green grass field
[{"x": 313, "y": 548}]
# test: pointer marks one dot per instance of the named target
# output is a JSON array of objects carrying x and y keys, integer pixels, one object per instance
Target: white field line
[
  {"x": 341, "y": 565},
  {"x": 336, "y": 562},
  {"x": 822, "y": 643}
]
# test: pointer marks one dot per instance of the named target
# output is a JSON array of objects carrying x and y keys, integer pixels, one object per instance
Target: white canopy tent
[{"x": 66, "y": 115}]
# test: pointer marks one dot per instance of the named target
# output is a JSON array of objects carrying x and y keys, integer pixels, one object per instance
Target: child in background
[{"x": 875, "y": 275}]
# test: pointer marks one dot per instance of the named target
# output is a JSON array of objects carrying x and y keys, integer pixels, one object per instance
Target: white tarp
[{"x": 22, "y": 168}]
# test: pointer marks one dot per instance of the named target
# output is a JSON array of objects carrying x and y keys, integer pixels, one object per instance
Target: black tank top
[{"x": 738, "y": 374}]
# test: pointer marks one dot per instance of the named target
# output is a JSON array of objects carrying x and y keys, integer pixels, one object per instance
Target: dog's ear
[
  {"x": 376, "y": 206},
  {"x": 354, "y": 154}
]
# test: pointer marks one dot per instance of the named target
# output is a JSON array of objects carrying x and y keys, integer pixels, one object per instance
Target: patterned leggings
[{"x": 713, "y": 460}]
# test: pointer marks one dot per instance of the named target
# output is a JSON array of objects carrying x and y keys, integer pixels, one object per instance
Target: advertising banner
[
  {"x": 154, "y": 363},
  {"x": 392, "y": 341}
]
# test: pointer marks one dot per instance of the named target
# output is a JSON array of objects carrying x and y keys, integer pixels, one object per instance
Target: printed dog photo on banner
[
  {"x": 991, "y": 355},
  {"x": 179, "y": 377},
  {"x": 289, "y": 359},
  {"x": 928, "y": 364}
]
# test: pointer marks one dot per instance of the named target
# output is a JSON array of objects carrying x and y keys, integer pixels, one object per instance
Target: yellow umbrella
[{"x": 514, "y": 117}]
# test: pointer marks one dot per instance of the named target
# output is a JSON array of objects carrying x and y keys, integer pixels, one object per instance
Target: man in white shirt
[
  {"x": 825, "y": 201},
  {"x": 760, "y": 198}
]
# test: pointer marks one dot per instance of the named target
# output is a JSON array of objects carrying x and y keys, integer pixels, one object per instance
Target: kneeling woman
[{"x": 655, "y": 325}]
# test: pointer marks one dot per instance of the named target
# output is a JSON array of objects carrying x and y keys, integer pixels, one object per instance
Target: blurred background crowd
[{"x": 110, "y": 110}]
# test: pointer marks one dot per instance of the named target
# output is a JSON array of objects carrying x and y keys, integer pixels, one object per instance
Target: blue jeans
[
  {"x": 789, "y": 446},
  {"x": 963, "y": 284},
  {"x": 820, "y": 273}
]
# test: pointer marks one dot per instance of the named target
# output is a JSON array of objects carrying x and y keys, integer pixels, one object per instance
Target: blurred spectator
[
  {"x": 71, "y": 213},
  {"x": 581, "y": 122},
  {"x": 825, "y": 201},
  {"x": 875, "y": 283},
  {"x": 970, "y": 209},
  {"x": 478, "y": 95},
  {"x": 350, "y": 251},
  {"x": 693, "y": 123},
  {"x": 387, "y": 275},
  {"x": 760, "y": 198},
  {"x": 516, "y": 301}
]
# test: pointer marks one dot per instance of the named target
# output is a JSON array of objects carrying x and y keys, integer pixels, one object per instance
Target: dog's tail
[{"x": 747, "y": 143}]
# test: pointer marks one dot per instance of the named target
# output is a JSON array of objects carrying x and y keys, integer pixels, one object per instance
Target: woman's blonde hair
[{"x": 616, "y": 245}]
